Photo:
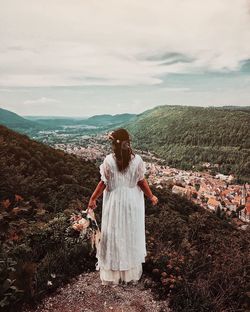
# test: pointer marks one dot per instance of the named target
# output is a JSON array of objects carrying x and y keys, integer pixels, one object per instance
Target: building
[
  {"x": 213, "y": 204},
  {"x": 244, "y": 214},
  {"x": 179, "y": 190}
]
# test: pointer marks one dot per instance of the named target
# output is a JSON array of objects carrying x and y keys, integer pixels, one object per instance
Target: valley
[
  {"x": 208, "y": 187},
  {"x": 216, "y": 177}
]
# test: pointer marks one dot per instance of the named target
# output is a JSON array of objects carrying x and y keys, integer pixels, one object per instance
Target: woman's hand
[
  {"x": 97, "y": 192},
  {"x": 92, "y": 204},
  {"x": 154, "y": 200}
]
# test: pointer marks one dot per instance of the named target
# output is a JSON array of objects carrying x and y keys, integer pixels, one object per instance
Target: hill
[
  {"x": 39, "y": 188},
  {"x": 57, "y": 122},
  {"x": 33, "y": 169},
  {"x": 14, "y": 121},
  {"x": 106, "y": 120},
  {"x": 103, "y": 120},
  {"x": 187, "y": 136},
  {"x": 197, "y": 260}
]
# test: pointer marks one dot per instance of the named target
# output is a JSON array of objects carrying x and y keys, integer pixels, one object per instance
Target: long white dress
[{"x": 122, "y": 248}]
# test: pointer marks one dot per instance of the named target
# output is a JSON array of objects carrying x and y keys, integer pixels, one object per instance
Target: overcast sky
[{"x": 86, "y": 57}]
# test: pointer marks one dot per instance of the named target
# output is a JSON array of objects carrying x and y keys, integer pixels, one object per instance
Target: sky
[{"x": 87, "y": 57}]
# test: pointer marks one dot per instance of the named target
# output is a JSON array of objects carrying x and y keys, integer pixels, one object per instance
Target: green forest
[
  {"x": 186, "y": 136},
  {"x": 51, "y": 176},
  {"x": 196, "y": 258}
]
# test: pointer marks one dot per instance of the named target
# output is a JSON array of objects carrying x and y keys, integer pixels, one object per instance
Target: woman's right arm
[{"x": 143, "y": 184}]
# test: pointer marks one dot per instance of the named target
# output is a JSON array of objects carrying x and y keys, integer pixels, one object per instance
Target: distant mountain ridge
[
  {"x": 96, "y": 120},
  {"x": 15, "y": 121},
  {"x": 110, "y": 119}
]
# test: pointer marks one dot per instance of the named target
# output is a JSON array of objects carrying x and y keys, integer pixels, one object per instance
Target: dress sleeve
[
  {"x": 105, "y": 171},
  {"x": 141, "y": 170}
]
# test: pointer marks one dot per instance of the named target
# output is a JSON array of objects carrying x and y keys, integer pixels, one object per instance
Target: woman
[{"x": 122, "y": 248}]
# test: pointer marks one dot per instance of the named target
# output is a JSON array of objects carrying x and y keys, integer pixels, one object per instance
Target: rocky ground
[{"x": 86, "y": 294}]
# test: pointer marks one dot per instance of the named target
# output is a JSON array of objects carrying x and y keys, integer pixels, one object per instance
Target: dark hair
[{"x": 122, "y": 149}]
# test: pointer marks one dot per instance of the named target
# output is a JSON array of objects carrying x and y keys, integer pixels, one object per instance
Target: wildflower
[{"x": 86, "y": 225}]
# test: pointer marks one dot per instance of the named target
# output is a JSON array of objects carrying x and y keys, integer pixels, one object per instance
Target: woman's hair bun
[{"x": 119, "y": 135}]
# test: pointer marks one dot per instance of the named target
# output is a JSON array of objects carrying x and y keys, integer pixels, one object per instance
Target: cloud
[
  {"x": 42, "y": 100},
  {"x": 178, "y": 89},
  {"x": 13, "y": 90},
  {"x": 119, "y": 43}
]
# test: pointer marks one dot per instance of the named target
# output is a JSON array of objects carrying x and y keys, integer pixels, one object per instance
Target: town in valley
[{"x": 216, "y": 192}]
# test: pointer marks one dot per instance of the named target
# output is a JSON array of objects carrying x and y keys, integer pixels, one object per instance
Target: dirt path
[{"x": 86, "y": 294}]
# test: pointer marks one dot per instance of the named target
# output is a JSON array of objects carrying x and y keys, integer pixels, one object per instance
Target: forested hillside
[
  {"x": 33, "y": 169},
  {"x": 186, "y": 136},
  {"x": 14, "y": 121},
  {"x": 39, "y": 188},
  {"x": 107, "y": 120}
]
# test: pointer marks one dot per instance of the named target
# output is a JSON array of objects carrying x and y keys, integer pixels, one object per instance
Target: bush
[
  {"x": 9, "y": 293},
  {"x": 197, "y": 260},
  {"x": 42, "y": 261}
]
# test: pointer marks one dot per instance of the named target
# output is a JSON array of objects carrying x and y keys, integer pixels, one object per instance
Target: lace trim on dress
[{"x": 116, "y": 276}]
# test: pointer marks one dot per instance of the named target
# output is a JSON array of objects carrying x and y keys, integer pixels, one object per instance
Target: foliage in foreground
[
  {"x": 39, "y": 188},
  {"x": 202, "y": 263},
  {"x": 43, "y": 260}
]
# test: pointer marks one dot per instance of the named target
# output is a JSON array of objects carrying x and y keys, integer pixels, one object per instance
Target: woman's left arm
[{"x": 96, "y": 194}]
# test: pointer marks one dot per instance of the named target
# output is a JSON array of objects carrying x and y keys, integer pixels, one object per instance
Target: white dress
[{"x": 122, "y": 248}]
